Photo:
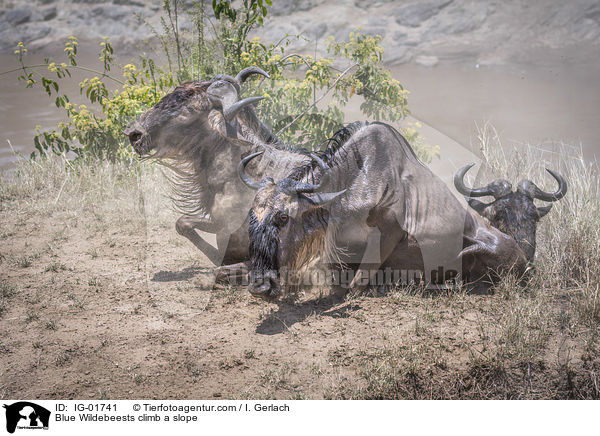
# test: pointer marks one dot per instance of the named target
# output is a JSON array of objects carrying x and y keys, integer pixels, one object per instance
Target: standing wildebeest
[
  {"x": 370, "y": 187},
  {"x": 194, "y": 131}
]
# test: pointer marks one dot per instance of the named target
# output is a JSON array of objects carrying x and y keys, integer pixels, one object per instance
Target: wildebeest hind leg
[{"x": 231, "y": 248}]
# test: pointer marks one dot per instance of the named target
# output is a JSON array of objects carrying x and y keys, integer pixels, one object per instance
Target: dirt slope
[{"x": 100, "y": 298}]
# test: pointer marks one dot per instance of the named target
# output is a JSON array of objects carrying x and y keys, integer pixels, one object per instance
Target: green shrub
[{"x": 294, "y": 94}]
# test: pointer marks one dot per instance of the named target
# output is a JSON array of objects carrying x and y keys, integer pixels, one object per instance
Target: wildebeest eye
[{"x": 282, "y": 218}]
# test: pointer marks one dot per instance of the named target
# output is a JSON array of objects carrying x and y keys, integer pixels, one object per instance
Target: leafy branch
[{"x": 299, "y": 83}]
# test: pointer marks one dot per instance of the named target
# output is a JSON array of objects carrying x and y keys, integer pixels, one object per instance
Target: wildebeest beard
[
  {"x": 517, "y": 216},
  {"x": 265, "y": 254},
  {"x": 264, "y": 243}
]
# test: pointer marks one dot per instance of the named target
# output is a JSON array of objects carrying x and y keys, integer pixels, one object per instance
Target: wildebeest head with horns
[
  {"x": 286, "y": 219},
  {"x": 191, "y": 114},
  {"x": 512, "y": 212}
]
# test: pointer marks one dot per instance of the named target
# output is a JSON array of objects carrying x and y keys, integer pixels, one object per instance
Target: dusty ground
[{"x": 100, "y": 298}]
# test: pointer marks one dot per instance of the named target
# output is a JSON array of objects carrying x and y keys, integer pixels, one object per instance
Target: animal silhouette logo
[{"x": 24, "y": 414}]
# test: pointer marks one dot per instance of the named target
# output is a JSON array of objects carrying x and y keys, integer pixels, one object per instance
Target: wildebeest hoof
[
  {"x": 221, "y": 277},
  {"x": 234, "y": 274},
  {"x": 265, "y": 291}
]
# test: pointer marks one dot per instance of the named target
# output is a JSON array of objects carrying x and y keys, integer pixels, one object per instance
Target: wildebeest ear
[
  {"x": 477, "y": 205},
  {"x": 216, "y": 121},
  {"x": 542, "y": 211}
]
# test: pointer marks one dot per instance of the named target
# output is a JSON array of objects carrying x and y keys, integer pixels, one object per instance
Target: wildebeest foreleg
[
  {"x": 389, "y": 235},
  {"x": 233, "y": 274},
  {"x": 187, "y": 225}
]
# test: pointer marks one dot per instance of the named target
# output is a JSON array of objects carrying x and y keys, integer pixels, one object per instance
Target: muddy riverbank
[{"x": 529, "y": 68}]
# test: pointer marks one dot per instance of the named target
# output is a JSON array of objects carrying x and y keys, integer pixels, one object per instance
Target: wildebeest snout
[{"x": 264, "y": 284}]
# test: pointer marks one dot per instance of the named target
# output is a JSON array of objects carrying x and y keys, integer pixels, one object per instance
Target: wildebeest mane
[
  {"x": 186, "y": 173},
  {"x": 402, "y": 140},
  {"x": 340, "y": 138},
  {"x": 334, "y": 143},
  {"x": 175, "y": 99}
]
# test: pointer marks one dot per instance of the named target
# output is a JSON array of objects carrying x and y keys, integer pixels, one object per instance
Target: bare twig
[
  {"x": 295, "y": 55},
  {"x": 61, "y": 190},
  {"x": 15, "y": 152},
  {"x": 318, "y": 100},
  {"x": 91, "y": 70}
]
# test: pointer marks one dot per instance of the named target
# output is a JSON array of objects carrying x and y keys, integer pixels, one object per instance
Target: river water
[{"x": 525, "y": 103}]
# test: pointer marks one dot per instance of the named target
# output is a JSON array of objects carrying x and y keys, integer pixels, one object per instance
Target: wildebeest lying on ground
[
  {"x": 201, "y": 131},
  {"x": 514, "y": 213},
  {"x": 367, "y": 202}
]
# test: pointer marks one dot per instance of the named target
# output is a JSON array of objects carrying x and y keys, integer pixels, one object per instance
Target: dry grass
[
  {"x": 87, "y": 244},
  {"x": 568, "y": 252},
  {"x": 539, "y": 341}
]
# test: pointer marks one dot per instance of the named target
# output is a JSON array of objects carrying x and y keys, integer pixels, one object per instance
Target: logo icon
[{"x": 26, "y": 415}]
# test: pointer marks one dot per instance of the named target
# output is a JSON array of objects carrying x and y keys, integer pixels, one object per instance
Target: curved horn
[
  {"x": 459, "y": 184},
  {"x": 247, "y": 72},
  {"x": 319, "y": 161},
  {"x": 321, "y": 199},
  {"x": 230, "y": 112},
  {"x": 529, "y": 188},
  {"x": 308, "y": 188},
  {"x": 497, "y": 188},
  {"x": 241, "y": 170},
  {"x": 560, "y": 193},
  {"x": 475, "y": 248}
]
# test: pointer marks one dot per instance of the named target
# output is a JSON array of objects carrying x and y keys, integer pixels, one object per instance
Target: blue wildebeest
[
  {"x": 514, "y": 213},
  {"x": 200, "y": 131},
  {"x": 369, "y": 186}
]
